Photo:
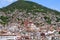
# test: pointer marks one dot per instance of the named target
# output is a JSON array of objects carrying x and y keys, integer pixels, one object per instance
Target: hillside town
[
  {"x": 26, "y": 20},
  {"x": 28, "y": 26},
  {"x": 31, "y": 32}
]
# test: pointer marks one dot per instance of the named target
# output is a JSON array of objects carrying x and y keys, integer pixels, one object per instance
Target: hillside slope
[
  {"x": 29, "y": 6},
  {"x": 25, "y": 9}
]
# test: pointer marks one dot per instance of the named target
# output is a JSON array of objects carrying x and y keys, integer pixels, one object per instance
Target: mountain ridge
[{"x": 29, "y": 5}]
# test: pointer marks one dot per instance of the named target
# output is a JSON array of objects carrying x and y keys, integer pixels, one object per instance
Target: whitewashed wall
[{"x": 7, "y": 37}]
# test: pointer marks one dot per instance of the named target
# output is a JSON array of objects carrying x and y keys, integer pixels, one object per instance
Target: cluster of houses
[
  {"x": 29, "y": 31},
  {"x": 29, "y": 27}
]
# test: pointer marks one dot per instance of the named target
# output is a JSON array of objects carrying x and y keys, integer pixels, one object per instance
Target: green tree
[{"x": 4, "y": 20}]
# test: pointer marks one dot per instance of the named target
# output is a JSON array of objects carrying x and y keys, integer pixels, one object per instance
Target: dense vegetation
[
  {"x": 4, "y": 20},
  {"x": 28, "y": 6}
]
